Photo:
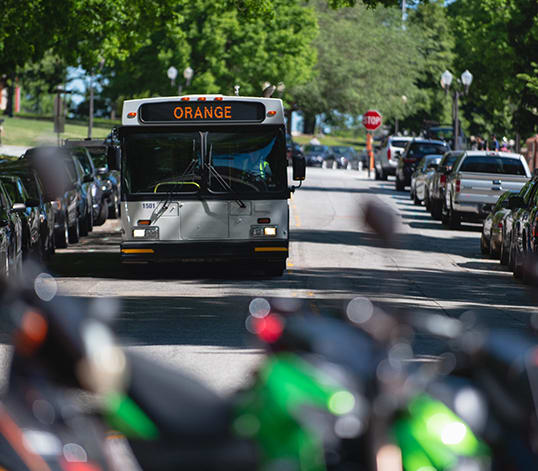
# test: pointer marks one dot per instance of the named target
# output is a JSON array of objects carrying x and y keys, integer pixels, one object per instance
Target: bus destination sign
[{"x": 202, "y": 111}]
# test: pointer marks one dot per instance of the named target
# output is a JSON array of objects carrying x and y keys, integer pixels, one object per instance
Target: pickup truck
[{"x": 477, "y": 180}]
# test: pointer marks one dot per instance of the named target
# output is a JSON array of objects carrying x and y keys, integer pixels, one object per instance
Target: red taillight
[
  {"x": 443, "y": 180},
  {"x": 388, "y": 153},
  {"x": 500, "y": 225},
  {"x": 458, "y": 186},
  {"x": 268, "y": 328}
]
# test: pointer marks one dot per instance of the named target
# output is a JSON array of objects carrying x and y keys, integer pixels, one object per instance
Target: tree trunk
[
  {"x": 10, "y": 95},
  {"x": 309, "y": 123}
]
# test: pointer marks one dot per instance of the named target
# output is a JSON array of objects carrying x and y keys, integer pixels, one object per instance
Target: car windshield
[
  {"x": 11, "y": 189},
  {"x": 99, "y": 156},
  {"x": 84, "y": 160},
  {"x": 418, "y": 150},
  {"x": 490, "y": 164},
  {"x": 401, "y": 144}
]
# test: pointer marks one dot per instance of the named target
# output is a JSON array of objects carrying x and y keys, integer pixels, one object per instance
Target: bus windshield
[
  {"x": 238, "y": 160},
  {"x": 246, "y": 162}
]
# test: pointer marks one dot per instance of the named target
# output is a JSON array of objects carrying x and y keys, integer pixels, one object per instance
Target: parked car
[
  {"x": 420, "y": 178},
  {"x": 492, "y": 228},
  {"x": 30, "y": 217},
  {"x": 39, "y": 198},
  {"x": 69, "y": 202},
  {"x": 437, "y": 184},
  {"x": 415, "y": 150},
  {"x": 99, "y": 187},
  {"x": 316, "y": 154},
  {"x": 506, "y": 236},
  {"x": 11, "y": 228},
  {"x": 345, "y": 157},
  {"x": 523, "y": 225},
  {"x": 477, "y": 180},
  {"x": 387, "y": 156},
  {"x": 292, "y": 149},
  {"x": 98, "y": 149}
]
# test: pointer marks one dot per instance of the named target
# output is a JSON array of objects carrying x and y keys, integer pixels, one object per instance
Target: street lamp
[
  {"x": 465, "y": 80},
  {"x": 188, "y": 73},
  {"x": 172, "y": 74}
]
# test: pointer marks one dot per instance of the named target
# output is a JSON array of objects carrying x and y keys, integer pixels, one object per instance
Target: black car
[
  {"x": 109, "y": 179},
  {"x": 11, "y": 228},
  {"x": 413, "y": 153},
  {"x": 69, "y": 199},
  {"x": 345, "y": 157},
  {"x": 38, "y": 198},
  {"x": 96, "y": 186},
  {"x": 30, "y": 218},
  {"x": 316, "y": 155}
]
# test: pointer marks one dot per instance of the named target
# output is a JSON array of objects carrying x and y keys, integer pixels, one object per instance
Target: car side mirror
[
  {"x": 299, "y": 168},
  {"x": 113, "y": 156},
  {"x": 102, "y": 171},
  {"x": 32, "y": 203},
  {"x": 18, "y": 208},
  {"x": 516, "y": 202}
]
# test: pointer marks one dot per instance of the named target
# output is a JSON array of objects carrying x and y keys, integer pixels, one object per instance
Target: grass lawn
[{"x": 32, "y": 132}]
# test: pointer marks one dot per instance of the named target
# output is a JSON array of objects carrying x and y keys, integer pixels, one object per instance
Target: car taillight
[
  {"x": 409, "y": 161},
  {"x": 442, "y": 180},
  {"x": 388, "y": 153},
  {"x": 458, "y": 186},
  {"x": 500, "y": 225}
]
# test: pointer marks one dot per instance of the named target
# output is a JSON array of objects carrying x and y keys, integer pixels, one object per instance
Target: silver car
[{"x": 386, "y": 158}]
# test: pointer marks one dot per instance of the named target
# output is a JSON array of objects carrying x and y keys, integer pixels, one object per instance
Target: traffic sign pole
[{"x": 371, "y": 120}]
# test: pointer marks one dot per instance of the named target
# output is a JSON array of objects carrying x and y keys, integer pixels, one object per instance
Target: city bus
[{"x": 204, "y": 178}]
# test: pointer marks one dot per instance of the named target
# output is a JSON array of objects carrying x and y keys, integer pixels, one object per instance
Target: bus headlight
[
  {"x": 148, "y": 233},
  {"x": 263, "y": 231}
]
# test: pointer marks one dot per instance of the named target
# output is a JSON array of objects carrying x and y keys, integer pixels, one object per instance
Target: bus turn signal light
[
  {"x": 131, "y": 115},
  {"x": 218, "y": 98},
  {"x": 270, "y": 114},
  {"x": 201, "y": 98},
  {"x": 264, "y": 220},
  {"x": 144, "y": 222},
  {"x": 185, "y": 98}
]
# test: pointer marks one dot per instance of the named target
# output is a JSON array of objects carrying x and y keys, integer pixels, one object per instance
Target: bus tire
[{"x": 275, "y": 268}]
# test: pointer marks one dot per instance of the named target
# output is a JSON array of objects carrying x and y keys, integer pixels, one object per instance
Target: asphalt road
[{"x": 194, "y": 317}]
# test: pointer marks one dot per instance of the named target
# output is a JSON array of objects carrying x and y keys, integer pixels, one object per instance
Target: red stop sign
[{"x": 372, "y": 120}]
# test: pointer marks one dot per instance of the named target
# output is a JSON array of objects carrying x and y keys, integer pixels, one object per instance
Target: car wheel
[
  {"x": 504, "y": 255},
  {"x": 415, "y": 198},
  {"x": 74, "y": 233},
  {"x": 436, "y": 209},
  {"x": 377, "y": 176},
  {"x": 84, "y": 225},
  {"x": 454, "y": 220},
  {"x": 484, "y": 245},
  {"x": 61, "y": 236},
  {"x": 427, "y": 201},
  {"x": 517, "y": 263}
]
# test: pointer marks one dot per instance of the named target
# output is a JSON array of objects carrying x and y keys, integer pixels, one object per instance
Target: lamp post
[
  {"x": 465, "y": 80},
  {"x": 404, "y": 101},
  {"x": 172, "y": 73}
]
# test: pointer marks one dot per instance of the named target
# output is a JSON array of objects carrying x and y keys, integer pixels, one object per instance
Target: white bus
[{"x": 204, "y": 178}]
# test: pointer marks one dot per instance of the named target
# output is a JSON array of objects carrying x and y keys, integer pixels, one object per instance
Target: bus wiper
[
  {"x": 219, "y": 178},
  {"x": 159, "y": 210}
]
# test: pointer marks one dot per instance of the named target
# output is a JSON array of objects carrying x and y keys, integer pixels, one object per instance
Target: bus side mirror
[
  {"x": 113, "y": 157},
  {"x": 299, "y": 167}
]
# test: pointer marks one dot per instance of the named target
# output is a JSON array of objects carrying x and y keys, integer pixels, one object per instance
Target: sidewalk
[{"x": 13, "y": 151}]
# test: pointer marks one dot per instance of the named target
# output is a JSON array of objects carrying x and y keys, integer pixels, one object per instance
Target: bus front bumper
[{"x": 204, "y": 251}]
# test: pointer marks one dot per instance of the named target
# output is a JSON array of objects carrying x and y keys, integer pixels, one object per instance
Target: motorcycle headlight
[{"x": 94, "y": 190}]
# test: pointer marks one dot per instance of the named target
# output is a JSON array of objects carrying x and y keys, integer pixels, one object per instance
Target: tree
[
  {"x": 224, "y": 48},
  {"x": 497, "y": 40},
  {"x": 365, "y": 59}
]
